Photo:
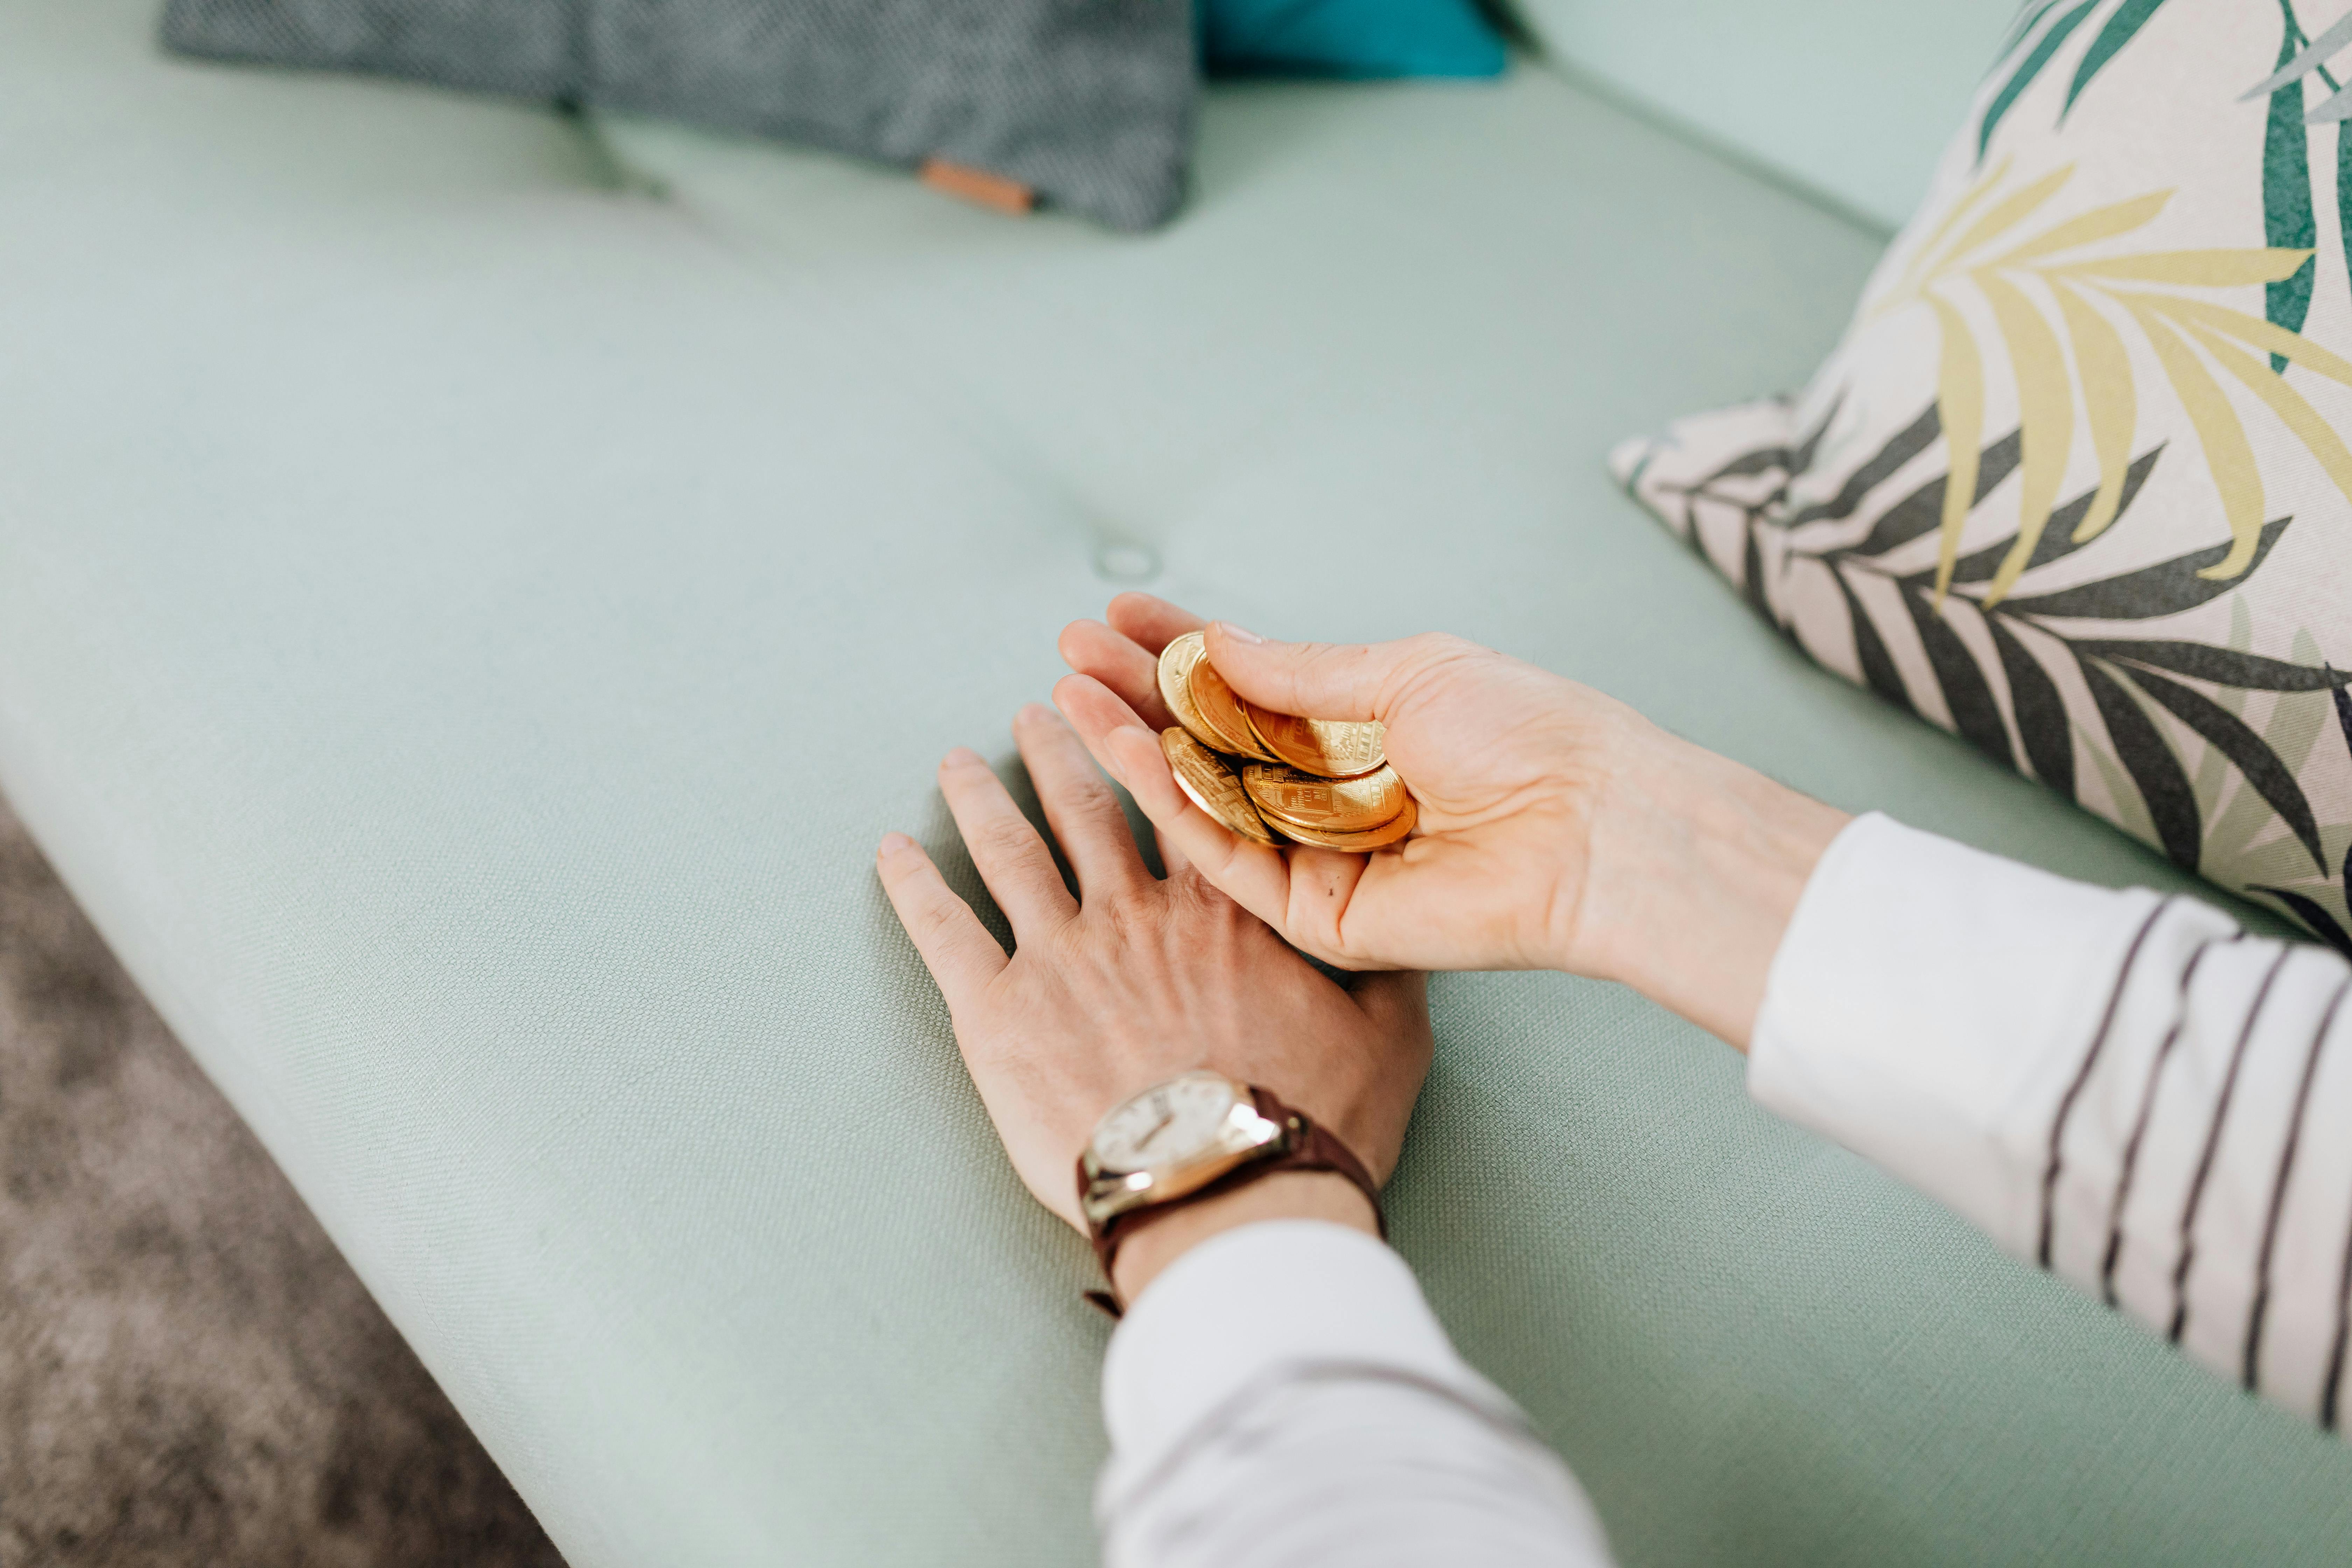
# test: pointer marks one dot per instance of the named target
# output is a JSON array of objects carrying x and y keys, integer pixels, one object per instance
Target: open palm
[{"x": 1510, "y": 764}]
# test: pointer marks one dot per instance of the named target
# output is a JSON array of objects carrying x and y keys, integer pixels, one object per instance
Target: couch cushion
[
  {"x": 1850, "y": 99},
  {"x": 465, "y": 622}
]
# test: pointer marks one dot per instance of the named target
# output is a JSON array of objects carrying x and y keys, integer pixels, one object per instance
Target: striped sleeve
[{"x": 2122, "y": 1089}]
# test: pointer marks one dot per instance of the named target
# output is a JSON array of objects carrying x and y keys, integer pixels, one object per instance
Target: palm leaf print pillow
[{"x": 2076, "y": 485}]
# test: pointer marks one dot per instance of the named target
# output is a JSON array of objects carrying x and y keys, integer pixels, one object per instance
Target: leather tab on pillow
[{"x": 979, "y": 186}]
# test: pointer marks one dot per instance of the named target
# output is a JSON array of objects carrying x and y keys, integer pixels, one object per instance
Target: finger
[
  {"x": 1327, "y": 680},
  {"x": 1322, "y": 890},
  {"x": 1171, "y": 860},
  {"x": 1012, "y": 860},
  {"x": 1152, "y": 623},
  {"x": 1079, "y": 806},
  {"x": 1094, "y": 710},
  {"x": 956, "y": 948},
  {"x": 1120, "y": 662},
  {"x": 1252, "y": 875}
]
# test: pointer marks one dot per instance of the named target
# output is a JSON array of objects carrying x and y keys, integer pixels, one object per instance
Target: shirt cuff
[
  {"x": 1926, "y": 1006},
  {"x": 1239, "y": 1312}
]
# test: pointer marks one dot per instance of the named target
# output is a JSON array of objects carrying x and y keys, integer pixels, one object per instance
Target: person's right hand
[{"x": 1558, "y": 828}]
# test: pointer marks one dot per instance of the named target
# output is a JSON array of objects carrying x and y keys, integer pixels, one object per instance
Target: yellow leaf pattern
[
  {"x": 1932, "y": 244},
  {"x": 2007, "y": 215},
  {"x": 2228, "y": 454},
  {"x": 2099, "y": 222},
  {"x": 2196, "y": 269},
  {"x": 2108, "y": 397},
  {"x": 2264, "y": 335},
  {"x": 2295, "y": 413},
  {"x": 2083, "y": 351},
  {"x": 1959, "y": 405},
  {"x": 2045, "y": 404}
]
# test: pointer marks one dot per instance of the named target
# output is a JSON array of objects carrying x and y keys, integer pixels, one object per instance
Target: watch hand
[{"x": 1157, "y": 1128}]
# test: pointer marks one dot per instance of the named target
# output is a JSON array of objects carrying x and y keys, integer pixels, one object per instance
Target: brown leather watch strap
[{"x": 1305, "y": 1145}]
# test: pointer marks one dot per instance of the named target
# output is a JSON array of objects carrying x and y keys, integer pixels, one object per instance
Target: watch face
[{"x": 1164, "y": 1124}]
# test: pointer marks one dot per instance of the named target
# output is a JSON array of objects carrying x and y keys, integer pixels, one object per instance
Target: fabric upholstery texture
[
  {"x": 1850, "y": 99},
  {"x": 475, "y": 586},
  {"x": 2075, "y": 485},
  {"x": 1089, "y": 102}
]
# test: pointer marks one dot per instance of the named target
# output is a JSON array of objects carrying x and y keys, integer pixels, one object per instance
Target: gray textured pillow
[{"x": 1088, "y": 102}]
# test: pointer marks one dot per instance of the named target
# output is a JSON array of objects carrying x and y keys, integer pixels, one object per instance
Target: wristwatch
[{"x": 1197, "y": 1134}]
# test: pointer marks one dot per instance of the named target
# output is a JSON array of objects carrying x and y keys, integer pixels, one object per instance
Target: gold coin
[
  {"x": 1211, "y": 786},
  {"x": 1176, "y": 662},
  {"x": 1379, "y": 837},
  {"x": 1220, "y": 707},
  {"x": 1328, "y": 748},
  {"x": 1286, "y": 798}
]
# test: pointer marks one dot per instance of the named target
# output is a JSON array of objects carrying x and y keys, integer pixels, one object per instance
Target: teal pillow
[{"x": 1350, "y": 39}]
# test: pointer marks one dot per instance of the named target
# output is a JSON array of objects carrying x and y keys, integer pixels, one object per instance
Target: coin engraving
[
  {"x": 1211, "y": 786},
  {"x": 1220, "y": 707},
  {"x": 1328, "y": 748},
  {"x": 1379, "y": 837},
  {"x": 1176, "y": 662},
  {"x": 1286, "y": 796}
]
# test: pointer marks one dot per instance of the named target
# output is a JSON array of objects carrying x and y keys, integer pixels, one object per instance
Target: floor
[{"x": 189, "y": 1372}]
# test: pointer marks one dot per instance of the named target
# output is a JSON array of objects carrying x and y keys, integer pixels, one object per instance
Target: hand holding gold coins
[{"x": 1272, "y": 778}]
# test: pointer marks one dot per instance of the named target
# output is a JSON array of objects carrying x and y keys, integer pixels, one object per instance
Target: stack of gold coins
[{"x": 1272, "y": 778}]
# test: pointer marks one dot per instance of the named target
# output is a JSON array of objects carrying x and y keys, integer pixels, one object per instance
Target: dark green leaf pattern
[
  {"x": 1908, "y": 444},
  {"x": 1802, "y": 457},
  {"x": 1922, "y": 511},
  {"x": 2129, "y": 679},
  {"x": 2313, "y": 914},
  {"x": 2166, "y": 588},
  {"x": 2041, "y": 713},
  {"x": 1752, "y": 575},
  {"x": 2221, "y": 666},
  {"x": 2141, "y": 748},
  {"x": 2249, "y": 753},
  {"x": 2343, "y": 193},
  {"x": 1763, "y": 461},
  {"x": 2022, "y": 78},
  {"x": 1870, "y": 649},
  {"x": 2121, "y": 27},
  {"x": 2286, "y": 196},
  {"x": 2057, "y": 541},
  {"x": 2344, "y": 723},
  {"x": 1967, "y": 693},
  {"x": 2029, "y": 16}
]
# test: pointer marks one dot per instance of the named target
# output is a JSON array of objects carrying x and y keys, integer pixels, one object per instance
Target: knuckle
[
  {"x": 1088, "y": 793},
  {"x": 1431, "y": 656},
  {"x": 1003, "y": 838},
  {"x": 1439, "y": 647},
  {"x": 936, "y": 919}
]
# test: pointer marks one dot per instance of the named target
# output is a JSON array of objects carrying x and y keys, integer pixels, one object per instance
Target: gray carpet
[{"x": 189, "y": 1374}]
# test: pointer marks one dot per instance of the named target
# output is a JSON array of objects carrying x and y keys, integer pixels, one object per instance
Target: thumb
[{"x": 1325, "y": 681}]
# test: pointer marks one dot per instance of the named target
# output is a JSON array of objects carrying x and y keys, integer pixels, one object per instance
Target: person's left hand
[{"x": 1136, "y": 980}]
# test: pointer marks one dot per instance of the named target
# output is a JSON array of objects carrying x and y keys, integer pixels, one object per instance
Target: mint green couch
[{"x": 473, "y": 589}]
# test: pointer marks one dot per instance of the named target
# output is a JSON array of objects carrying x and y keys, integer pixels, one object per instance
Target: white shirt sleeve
[
  {"x": 1282, "y": 1397},
  {"x": 2125, "y": 1088}
]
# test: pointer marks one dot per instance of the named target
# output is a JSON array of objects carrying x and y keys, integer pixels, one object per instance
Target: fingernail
[
  {"x": 1034, "y": 713},
  {"x": 1237, "y": 633},
  {"x": 894, "y": 842},
  {"x": 961, "y": 757}
]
